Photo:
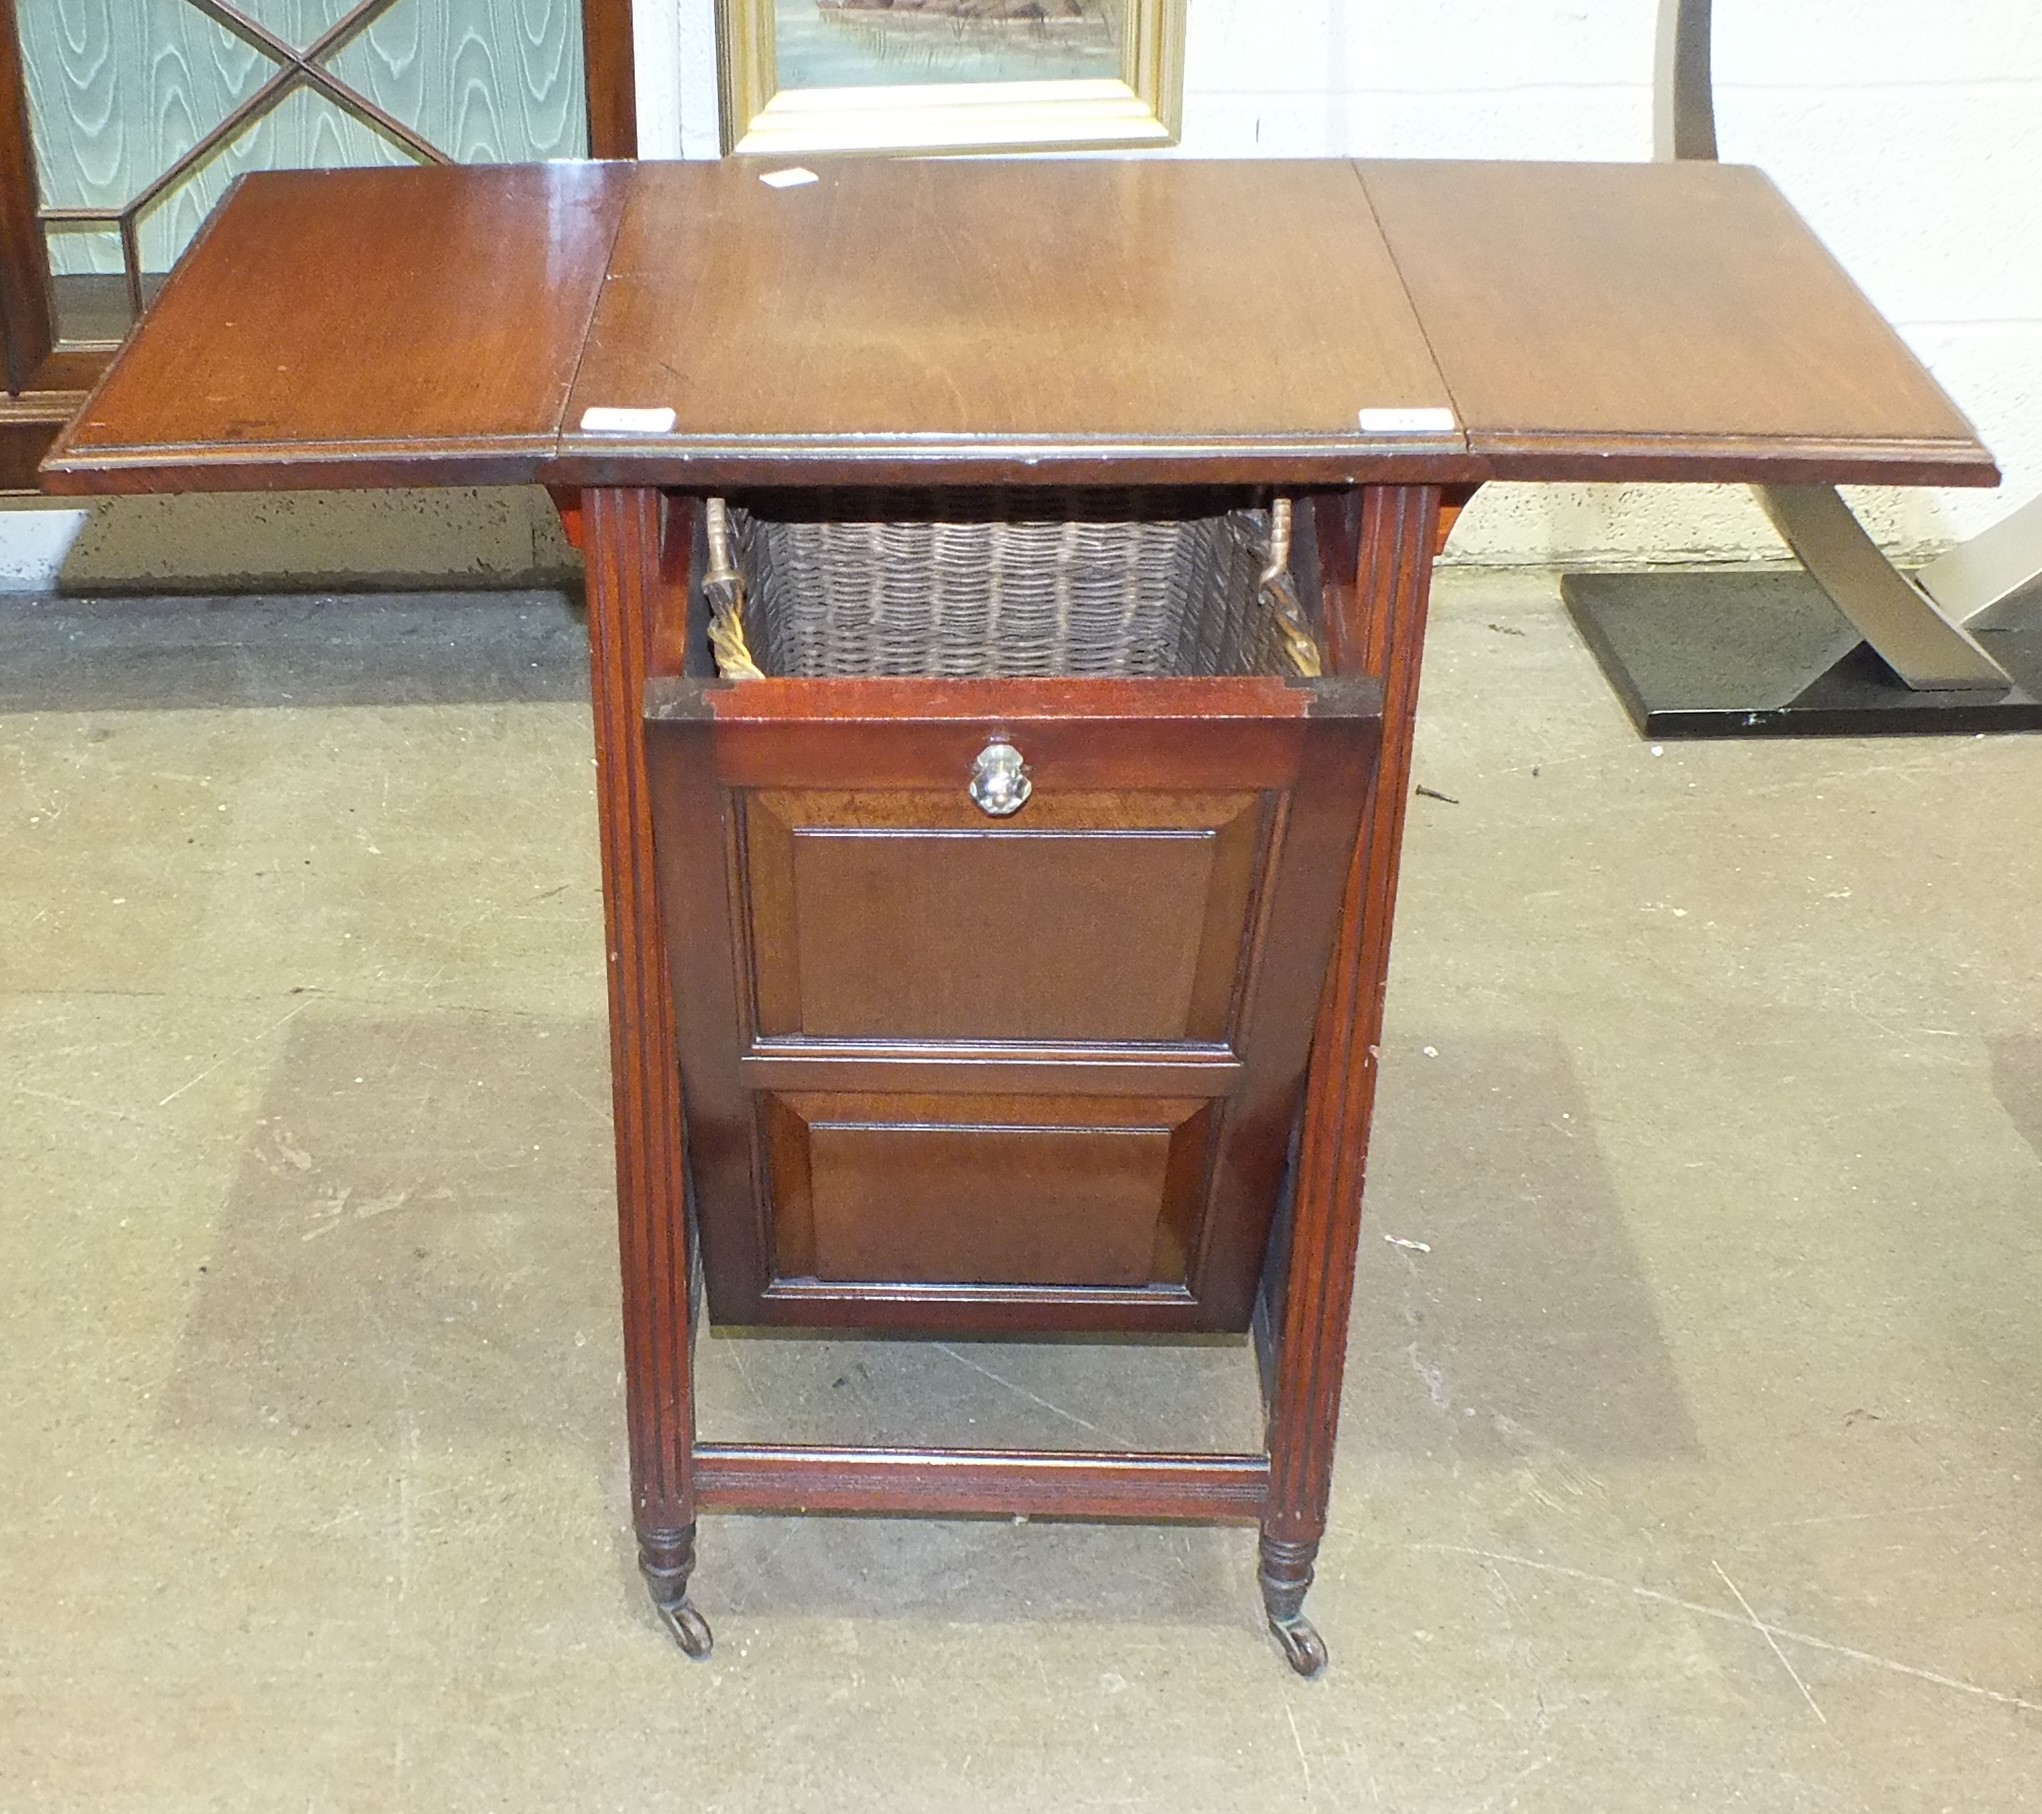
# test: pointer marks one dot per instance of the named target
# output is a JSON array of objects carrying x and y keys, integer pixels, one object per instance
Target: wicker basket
[{"x": 963, "y": 585}]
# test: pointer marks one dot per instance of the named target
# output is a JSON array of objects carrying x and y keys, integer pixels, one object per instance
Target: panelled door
[{"x": 997, "y": 995}]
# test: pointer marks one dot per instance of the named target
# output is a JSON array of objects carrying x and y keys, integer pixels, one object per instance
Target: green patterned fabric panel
[{"x": 120, "y": 89}]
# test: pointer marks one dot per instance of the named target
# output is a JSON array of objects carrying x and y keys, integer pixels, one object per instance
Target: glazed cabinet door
[{"x": 995, "y": 997}]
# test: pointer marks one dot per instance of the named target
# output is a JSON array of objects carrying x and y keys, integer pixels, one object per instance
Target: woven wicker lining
[{"x": 1000, "y": 586}]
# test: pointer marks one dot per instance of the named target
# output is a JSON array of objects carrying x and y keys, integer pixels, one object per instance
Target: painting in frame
[{"x": 803, "y": 76}]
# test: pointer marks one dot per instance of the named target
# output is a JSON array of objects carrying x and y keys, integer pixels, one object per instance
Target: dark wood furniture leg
[
  {"x": 637, "y": 547},
  {"x": 1384, "y": 540}
]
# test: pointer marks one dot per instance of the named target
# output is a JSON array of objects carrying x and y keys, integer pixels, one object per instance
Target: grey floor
[{"x": 1690, "y": 1453}]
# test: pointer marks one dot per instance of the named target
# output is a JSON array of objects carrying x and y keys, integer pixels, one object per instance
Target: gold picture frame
[{"x": 1085, "y": 73}]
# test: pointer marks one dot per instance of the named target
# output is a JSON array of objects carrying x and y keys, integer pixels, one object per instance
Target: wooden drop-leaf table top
[{"x": 1012, "y": 321}]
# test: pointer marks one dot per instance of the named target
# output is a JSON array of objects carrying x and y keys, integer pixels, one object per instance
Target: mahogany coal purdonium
[
  {"x": 1103, "y": 1063},
  {"x": 1050, "y": 1071}
]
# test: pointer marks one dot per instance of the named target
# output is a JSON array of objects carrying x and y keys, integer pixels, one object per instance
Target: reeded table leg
[
  {"x": 1376, "y": 623},
  {"x": 637, "y": 603}
]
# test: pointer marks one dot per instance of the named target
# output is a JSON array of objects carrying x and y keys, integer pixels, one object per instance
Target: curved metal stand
[{"x": 1862, "y": 648}]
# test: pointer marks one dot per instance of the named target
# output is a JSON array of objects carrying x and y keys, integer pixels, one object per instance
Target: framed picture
[{"x": 948, "y": 75}]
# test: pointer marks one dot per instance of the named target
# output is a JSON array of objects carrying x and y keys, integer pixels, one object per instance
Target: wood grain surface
[
  {"x": 637, "y": 586},
  {"x": 351, "y": 326},
  {"x": 931, "y": 1189},
  {"x": 1123, "y": 1178},
  {"x": 1673, "y": 321},
  {"x": 1065, "y": 1483},
  {"x": 1016, "y": 323},
  {"x": 986, "y": 313},
  {"x": 1377, "y": 556}
]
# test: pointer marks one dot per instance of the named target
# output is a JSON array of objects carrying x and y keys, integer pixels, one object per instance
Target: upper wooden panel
[
  {"x": 359, "y": 327},
  {"x": 1669, "y": 321},
  {"x": 1003, "y": 319}
]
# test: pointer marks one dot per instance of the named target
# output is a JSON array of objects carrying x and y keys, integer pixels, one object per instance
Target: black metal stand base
[{"x": 1717, "y": 654}]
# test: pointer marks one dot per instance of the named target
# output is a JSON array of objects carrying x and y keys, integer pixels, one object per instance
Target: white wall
[{"x": 1908, "y": 133}]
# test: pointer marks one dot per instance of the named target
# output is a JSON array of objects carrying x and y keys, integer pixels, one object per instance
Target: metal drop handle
[{"x": 999, "y": 780}]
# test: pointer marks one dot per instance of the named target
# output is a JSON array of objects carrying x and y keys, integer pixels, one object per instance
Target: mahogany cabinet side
[{"x": 1384, "y": 538}]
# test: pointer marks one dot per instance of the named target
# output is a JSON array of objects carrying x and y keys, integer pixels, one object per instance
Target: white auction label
[
  {"x": 1407, "y": 422},
  {"x": 789, "y": 179},
  {"x": 627, "y": 421}
]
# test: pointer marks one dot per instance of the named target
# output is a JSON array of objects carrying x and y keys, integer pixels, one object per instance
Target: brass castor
[
  {"x": 1285, "y": 1577},
  {"x": 691, "y": 1631},
  {"x": 666, "y": 1559},
  {"x": 1303, "y": 1649}
]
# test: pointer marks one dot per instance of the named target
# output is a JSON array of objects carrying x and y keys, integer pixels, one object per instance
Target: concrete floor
[{"x": 1693, "y": 1466}]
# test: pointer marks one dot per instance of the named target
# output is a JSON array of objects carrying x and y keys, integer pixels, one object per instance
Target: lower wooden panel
[
  {"x": 1050, "y": 1483},
  {"x": 986, "y": 1190}
]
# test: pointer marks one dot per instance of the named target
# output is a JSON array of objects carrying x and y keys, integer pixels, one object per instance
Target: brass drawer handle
[{"x": 999, "y": 780}]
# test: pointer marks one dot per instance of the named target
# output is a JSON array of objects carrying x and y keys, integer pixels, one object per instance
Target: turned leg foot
[
  {"x": 666, "y": 1559},
  {"x": 1285, "y": 1576}
]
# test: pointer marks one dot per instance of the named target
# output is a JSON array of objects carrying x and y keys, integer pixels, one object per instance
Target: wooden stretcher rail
[{"x": 760, "y": 1477}]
